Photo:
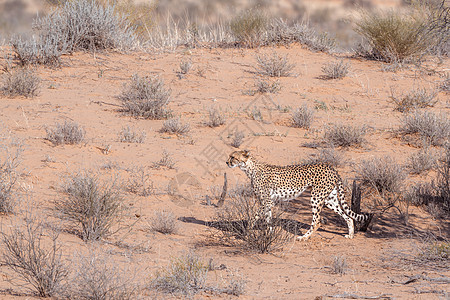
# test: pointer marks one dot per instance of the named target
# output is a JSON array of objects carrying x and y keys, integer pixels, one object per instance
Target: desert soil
[{"x": 85, "y": 90}]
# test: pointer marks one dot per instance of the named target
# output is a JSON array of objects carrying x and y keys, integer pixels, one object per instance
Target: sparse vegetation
[
  {"x": 237, "y": 139},
  {"x": 146, "y": 98},
  {"x": 264, "y": 86},
  {"x": 237, "y": 225},
  {"x": 303, "y": 117},
  {"x": 248, "y": 28},
  {"x": 69, "y": 133},
  {"x": 185, "y": 275},
  {"x": 98, "y": 277},
  {"x": 10, "y": 158},
  {"x": 422, "y": 160},
  {"x": 165, "y": 161},
  {"x": 426, "y": 126},
  {"x": 274, "y": 65},
  {"x": 164, "y": 222},
  {"x": 129, "y": 135},
  {"x": 335, "y": 70},
  {"x": 434, "y": 196},
  {"x": 382, "y": 174},
  {"x": 339, "y": 265},
  {"x": 420, "y": 98},
  {"x": 327, "y": 156},
  {"x": 140, "y": 182},
  {"x": 35, "y": 257},
  {"x": 20, "y": 82},
  {"x": 185, "y": 67},
  {"x": 216, "y": 117},
  {"x": 91, "y": 207},
  {"x": 340, "y": 135},
  {"x": 255, "y": 114},
  {"x": 174, "y": 126}
]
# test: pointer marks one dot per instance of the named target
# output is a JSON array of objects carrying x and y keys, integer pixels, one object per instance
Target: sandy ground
[{"x": 85, "y": 91}]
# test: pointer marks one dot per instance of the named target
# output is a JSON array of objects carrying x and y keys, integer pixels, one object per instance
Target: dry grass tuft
[
  {"x": 174, "y": 126},
  {"x": 164, "y": 222},
  {"x": 21, "y": 82},
  {"x": 248, "y": 27},
  {"x": 69, "y": 133},
  {"x": 336, "y": 70},
  {"x": 129, "y": 135},
  {"x": 216, "y": 117},
  {"x": 340, "y": 135},
  {"x": 420, "y": 98},
  {"x": 146, "y": 98},
  {"x": 274, "y": 65},
  {"x": 303, "y": 117}
]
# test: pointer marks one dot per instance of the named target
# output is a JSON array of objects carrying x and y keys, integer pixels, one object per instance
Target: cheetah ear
[{"x": 246, "y": 153}]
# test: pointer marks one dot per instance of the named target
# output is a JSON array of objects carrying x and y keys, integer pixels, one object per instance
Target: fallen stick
[{"x": 224, "y": 191}]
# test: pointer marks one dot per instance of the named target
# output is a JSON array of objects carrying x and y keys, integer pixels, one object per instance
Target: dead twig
[
  {"x": 354, "y": 296},
  {"x": 224, "y": 191}
]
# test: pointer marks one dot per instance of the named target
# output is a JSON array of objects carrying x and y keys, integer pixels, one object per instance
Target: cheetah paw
[{"x": 347, "y": 236}]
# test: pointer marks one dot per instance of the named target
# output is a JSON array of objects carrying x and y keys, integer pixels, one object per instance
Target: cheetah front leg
[
  {"x": 265, "y": 211},
  {"x": 316, "y": 204}
]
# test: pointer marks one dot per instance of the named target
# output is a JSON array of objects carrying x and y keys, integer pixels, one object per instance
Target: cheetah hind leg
[
  {"x": 333, "y": 204},
  {"x": 315, "y": 224}
]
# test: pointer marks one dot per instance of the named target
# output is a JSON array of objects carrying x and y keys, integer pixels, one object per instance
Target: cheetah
[{"x": 273, "y": 183}]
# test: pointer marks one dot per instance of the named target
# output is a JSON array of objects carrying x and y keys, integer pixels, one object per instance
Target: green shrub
[
  {"x": 394, "y": 36},
  {"x": 248, "y": 28}
]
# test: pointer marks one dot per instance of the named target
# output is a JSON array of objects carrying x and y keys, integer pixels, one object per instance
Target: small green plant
[
  {"x": 146, "y": 98},
  {"x": 91, "y": 208},
  {"x": 129, "y": 135},
  {"x": 174, "y": 126},
  {"x": 20, "y": 82},
  {"x": 66, "y": 133},
  {"x": 420, "y": 98},
  {"x": 248, "y": 28},
  {"x": 274, "y": 65},
  {"x": 164, "y": 222},
  {"x": 302, "y": 117},
  {"x": 340, "y": 135},
  {"x": 335, "y": 70}
]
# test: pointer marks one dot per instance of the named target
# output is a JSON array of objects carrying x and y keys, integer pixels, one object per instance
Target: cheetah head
[{"x": 238, "y": 159}]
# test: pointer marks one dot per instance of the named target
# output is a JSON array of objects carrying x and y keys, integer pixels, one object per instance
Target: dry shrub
[
  {"x": 10, "y": 159},
  {"x": 382, "y": 174},
  {"x": 419, "y": 98},
  {"x": 340, "y": 135},
  {"x": 165, "y": 161},
  {"x": 327, "y": 156},
  {"x": 164, "y": 222},
  {"x": 216, "y": 117},
  {"x": 264, "y": 86},
  {"x": 248, "y": 28},
  {"x": 67, "y": 133},
  {"x": 21, "y": 82},
  {"x": 185, "y": 275},
  {"x": 146, "y": 97},
  {"x": 433, "y": 129},
  {"x": 237, "y": 138},
  {"x": 237, "y": 225},
  {"x": 140, "y": 182},
  {"x": 130, "y": 135},
  {"x": 434, "y": 196},
  {"x": 274, "y": 65},
  {"x": 422, "y": 160},
  {"x": 92, "y": 208},
  {"x": 174, "y": 126},
  {"x": 303, "y": 117},
  {"x": 35, "y": 258},
  {"x": 98, "y": 277},
  {"x": 339, "y": 265},
  {"x": 336, "y": 70}
]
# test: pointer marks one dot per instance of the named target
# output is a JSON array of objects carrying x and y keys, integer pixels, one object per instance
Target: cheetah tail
[{"x": 363, "y": 217}]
